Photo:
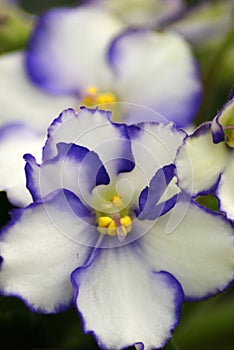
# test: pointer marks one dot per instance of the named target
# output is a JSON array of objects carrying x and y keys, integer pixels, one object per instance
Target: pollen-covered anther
[
  {"x": 116, "y": 201},
  {"x": 229, "y": 135},
  {"x": 106, "y": 97},
  {"x": 93, "y": 97},
  {"x": 104, "y": 221},
  {"x": 107, "y": 225}
]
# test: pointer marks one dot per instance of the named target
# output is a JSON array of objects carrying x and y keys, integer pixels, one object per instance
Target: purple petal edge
[
  {"x": 149, "y": 209},
  {"x": 76, "y": 206},
  {"x": 35, "y": 66}
]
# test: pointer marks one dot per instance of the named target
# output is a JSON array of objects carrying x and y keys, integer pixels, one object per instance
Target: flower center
[
  {"x": 116, "y": 223},
  {"x": 229, "y": 135},
  {"x": 93, "y": 97}
]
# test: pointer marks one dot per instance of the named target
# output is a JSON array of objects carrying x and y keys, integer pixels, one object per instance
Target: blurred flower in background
[
  {"x": 205, "y": 23},
  {"x": 137, "y": 66}
]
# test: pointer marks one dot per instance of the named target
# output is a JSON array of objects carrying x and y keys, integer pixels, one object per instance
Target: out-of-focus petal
[
  {"x": 155, "y": 70},
  {"x": 67, "y": 51},
  {"x": 21, "y": 100},
  {"x": 15, "y": 141},
  {"x": 138, "y": 12},
  {"x": 207, "y": 22}
]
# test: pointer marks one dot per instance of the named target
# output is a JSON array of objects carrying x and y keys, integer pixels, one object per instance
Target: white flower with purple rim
[
  {"x": 209, "y": 163},
  {"x": 97, "y": 232},
  {"x": 108, "y": 64},
  {"x": 137, "y": 66},
  {"x": 83, "y": 56}
]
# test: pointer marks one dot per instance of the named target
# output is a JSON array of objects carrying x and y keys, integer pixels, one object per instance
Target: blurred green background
[{"x": 206, "y": 325}]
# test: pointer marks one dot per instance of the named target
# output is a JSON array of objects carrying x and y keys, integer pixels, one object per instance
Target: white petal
[
  {"x": 199, "y": 252},
  {"x": 153, "y": 147},
  {"x": 123, "y": 302},
  {"x": 92, "y": 129},
  {"x": 208, "y": 22},
  {"x": 200, "y": 162},
  {"x": 83, "y": 33},
  {"x": 75, "y": 168},
  {"x": 156, "y": 70},
  {"x": 15, "y": 141},
  {"x": 21, "y": 100},
  {"x": 225, "y": 191},
  {"x": 38, "y": 256}
]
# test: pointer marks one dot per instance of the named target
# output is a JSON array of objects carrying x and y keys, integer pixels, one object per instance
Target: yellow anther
[
  {"x": 229, "y": 135},
  {"x": 104, "y": 221},
  {"x": 115, "y": 225},
  {"x": 92, "y": 90},
  {"x": 93, "y": 97},
  {"x": 126, "y": 222},
  {"x": 89, "y": 101},
  {"x": 116, "y": 201},
  {"x": 112, "y": 228},
  {"x": 107, "y": 97}
]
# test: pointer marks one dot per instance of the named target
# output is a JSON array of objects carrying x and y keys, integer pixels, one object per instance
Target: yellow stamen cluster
[
  {"x": 107, "y": 225},
  {"x": 116, "y": 201},
  {"x": 93, "y": 97},
  {"x": 229, "y": 135}
]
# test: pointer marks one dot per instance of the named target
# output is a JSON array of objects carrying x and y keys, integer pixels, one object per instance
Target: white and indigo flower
[
  {"x": 83, "y": 56},
  {"x": 209, "y": 163},
  {"x": 97, "y": 232}
]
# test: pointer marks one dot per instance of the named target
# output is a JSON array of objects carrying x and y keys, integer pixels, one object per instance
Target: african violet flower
[
  {"x": 209, "y": 163},
  {"x": 82, "y": 56},
  {"x": 97, "y": 232},
  {"x": 138, "y": 66}
]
